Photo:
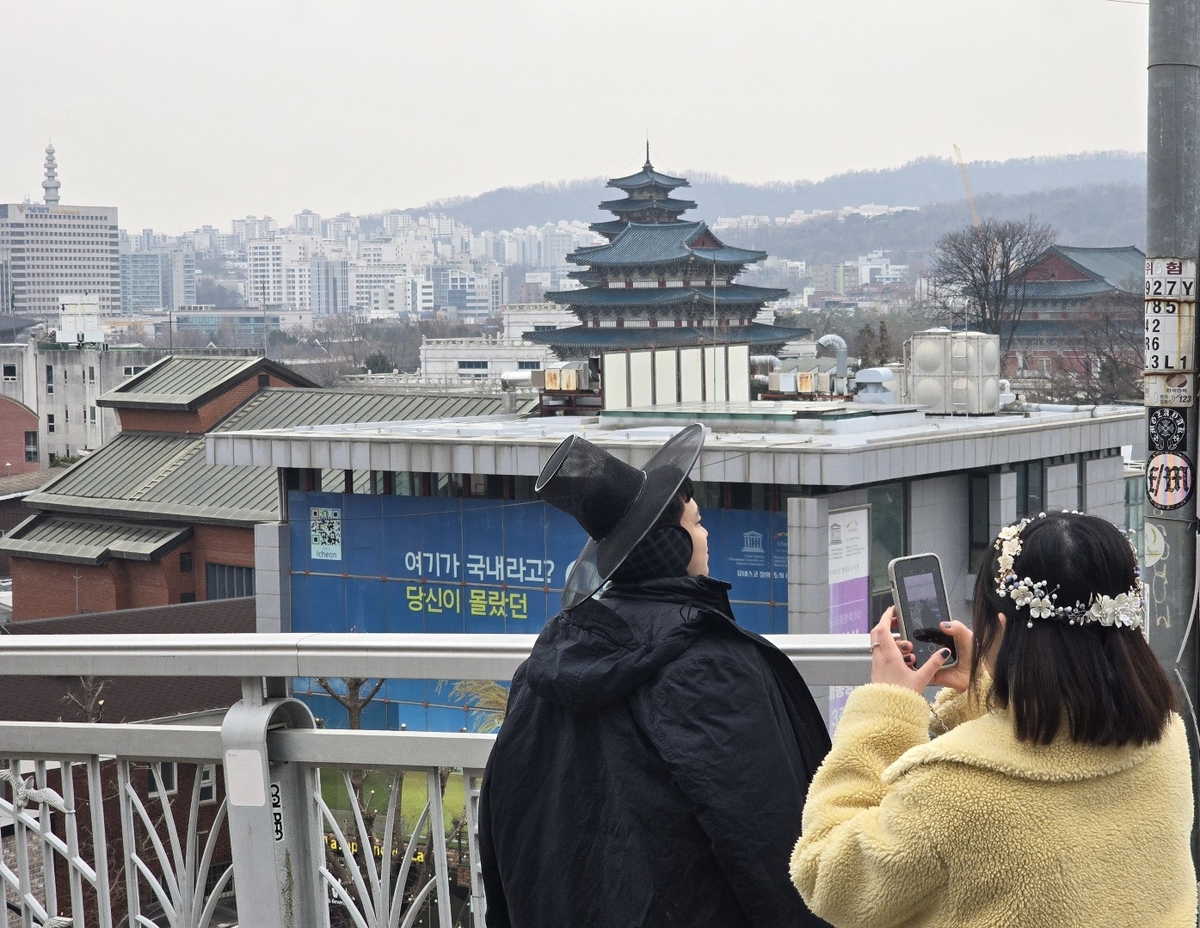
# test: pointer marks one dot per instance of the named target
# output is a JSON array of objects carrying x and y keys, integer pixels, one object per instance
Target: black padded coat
[{"x": 651, "y": 770}]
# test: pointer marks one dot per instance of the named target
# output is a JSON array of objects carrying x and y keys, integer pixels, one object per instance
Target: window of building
[
  {"x": 529, "y": 365},
  {"x": 50, "y": 422},
  {"x": 49, "y": 378},
  {"x": 10, "y": 372},
  {"x": 225, "y": 581},
  {"x": 889, "y": 538},
  {"x": 208, "y": 783},
  {"x": 979, "y": 516},
  {"x": 1030, "y": 487},
  {"x": 472, "y": 365},
  {"x": 185, "y": 562},
  {"x": 92, "y": 414},
  {"x": 264, "y": 381},
  {"x": 91, "y": 375},
  {"x": 31, "y": 447},
  {"x": 66, "y": 414},
  {"x": 187, "y": 597},
  {"x": 168, "y": 784}
]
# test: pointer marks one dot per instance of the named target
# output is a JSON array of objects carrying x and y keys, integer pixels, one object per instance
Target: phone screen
[{"x": 920, "y": 595}]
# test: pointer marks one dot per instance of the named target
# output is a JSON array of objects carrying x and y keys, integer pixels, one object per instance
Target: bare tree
[
  {"x": 1109, "y": 348},
  {"x": 977, "y": 274}
]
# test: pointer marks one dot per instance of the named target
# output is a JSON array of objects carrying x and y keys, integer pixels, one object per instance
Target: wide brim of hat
[{"x": 665, "y": 473}]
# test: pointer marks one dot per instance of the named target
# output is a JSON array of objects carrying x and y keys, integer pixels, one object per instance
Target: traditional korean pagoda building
[{"x": 659, "y": 281}]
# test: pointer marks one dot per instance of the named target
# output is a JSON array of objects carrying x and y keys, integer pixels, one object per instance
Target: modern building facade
[
  {"x": 805, "y": 504},
  {"x": 160, "y": 279},
  {"x": 51, "y": 251}
]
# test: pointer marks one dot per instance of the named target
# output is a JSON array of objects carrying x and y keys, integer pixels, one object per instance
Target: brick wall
[
  {"x": 15, "y": 420},
  {"x": 217, "y": 544},
  {"x": 200, "y": 420}
]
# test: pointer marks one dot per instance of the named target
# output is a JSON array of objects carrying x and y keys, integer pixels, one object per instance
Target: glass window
[
  {"x": 980, "y": 517},
  {"x": 1030, "y": 484},
  {"x": 50, "y": 422},
  {"x": 10, "y": 372},
  {"x": 889, "y": 539},
  {"x": 1135, "y": 514},
  {"x": 225, "y": 581},
  {"x": 472, "y": 365},
  {"x": 31, "y": 446},
  {"x": 208, "y": 783},
  {"x": 185, "y": 562},
  {"x": 91, "y": 375},
  {"x": 529, "y": 365},
  {"x": 168, "y": 784}
]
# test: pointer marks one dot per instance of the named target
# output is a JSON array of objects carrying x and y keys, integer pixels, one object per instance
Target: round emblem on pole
[
  {"x": 1167, "y": 429},
  {"x": 1169, "y": 479}
]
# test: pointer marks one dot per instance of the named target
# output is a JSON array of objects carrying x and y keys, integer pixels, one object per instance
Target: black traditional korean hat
[{"x": 616, "y": 504}]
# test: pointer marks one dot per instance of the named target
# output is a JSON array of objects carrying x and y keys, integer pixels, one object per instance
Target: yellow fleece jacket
[{"x": 975, "y": 828}]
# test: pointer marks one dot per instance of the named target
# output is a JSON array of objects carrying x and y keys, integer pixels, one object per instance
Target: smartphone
[{"x": 919, "y": 593}]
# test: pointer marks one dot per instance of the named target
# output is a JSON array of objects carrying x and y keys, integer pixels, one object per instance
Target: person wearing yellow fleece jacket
[{"x": 1057, "y": 790}]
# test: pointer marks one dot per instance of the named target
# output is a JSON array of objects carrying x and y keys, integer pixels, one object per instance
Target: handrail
[{"x": 822, "y": 659}]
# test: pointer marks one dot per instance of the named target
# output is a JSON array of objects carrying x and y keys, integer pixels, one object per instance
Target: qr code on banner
[{"x": 326, "y": 534}]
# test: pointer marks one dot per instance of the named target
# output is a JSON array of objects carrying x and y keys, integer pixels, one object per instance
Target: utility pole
[{"x": 1172, "y": 250}]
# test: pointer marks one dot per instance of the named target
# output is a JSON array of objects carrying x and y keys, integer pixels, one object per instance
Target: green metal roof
[
  {"x": 648, "y": 177},
  {"x": 648, "y": 243},
  {"x": 661, "y": 297},
  {"x": 585, "y": 337},
  {"x": 1122, "y": 267},
  {"x": 1037, "y": 291},
  {"x": 58, "y": 538},
  {"x": 167, "y": 476},
  {"x": 184, "y": 383}
]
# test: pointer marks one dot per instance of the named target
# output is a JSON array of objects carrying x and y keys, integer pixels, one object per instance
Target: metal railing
[{"x": 127, "y": 825}]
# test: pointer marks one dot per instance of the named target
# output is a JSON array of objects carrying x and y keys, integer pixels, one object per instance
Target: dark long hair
[{"x": 1104, "y": 682}]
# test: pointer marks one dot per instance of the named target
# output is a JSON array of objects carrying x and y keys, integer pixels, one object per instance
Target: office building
[{"x": 53, "y": 250}]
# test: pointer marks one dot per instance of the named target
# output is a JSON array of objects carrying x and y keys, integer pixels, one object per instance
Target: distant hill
[
  {"x": 1088, "y": 216},
  {"x": 918, "y": 183}
]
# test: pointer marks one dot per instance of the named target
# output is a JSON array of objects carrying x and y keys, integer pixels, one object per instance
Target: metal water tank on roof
[{"x": 954, "y": 373}]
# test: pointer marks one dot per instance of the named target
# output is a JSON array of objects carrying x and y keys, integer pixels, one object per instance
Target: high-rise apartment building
[
  {"x": 158, "y": 280},
  {"x": 51, "y": 251}
]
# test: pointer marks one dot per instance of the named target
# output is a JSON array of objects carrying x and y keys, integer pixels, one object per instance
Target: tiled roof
[
  {"x": 1037, "y": 291},
  {"x": 77, "y": 541},
  {"x": 155, "y": 476},
  {"x": 129, "y": 699},
  {"x": 184, "y": 383},
  {"x": 1123, "y": 267},
  {"x": 661, "y": 297},
  {"x": 643, "y": 243},
  {"x": 647, "y": 177},
  {"x": 631, "y": 205},
  {"x": 665, "y": 336}
]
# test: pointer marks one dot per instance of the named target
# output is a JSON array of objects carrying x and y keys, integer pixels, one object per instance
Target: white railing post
[{"x": 274, "y": 834}]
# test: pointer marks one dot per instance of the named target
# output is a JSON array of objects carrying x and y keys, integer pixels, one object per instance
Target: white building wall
[
  {"x": 938, "y": 522},
  {"x": 1104, "y": 489},
  {"x": 1062, "y": 486}
]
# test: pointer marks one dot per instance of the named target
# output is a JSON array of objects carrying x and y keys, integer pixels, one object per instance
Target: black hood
[{"x": 601, "y": 651}]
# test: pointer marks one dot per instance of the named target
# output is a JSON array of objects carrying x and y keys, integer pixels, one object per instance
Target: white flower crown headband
[{"x": 1126, "y": 609}]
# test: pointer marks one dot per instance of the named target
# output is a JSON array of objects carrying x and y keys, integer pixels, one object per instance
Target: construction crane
[{"x": 962, "y": 169}]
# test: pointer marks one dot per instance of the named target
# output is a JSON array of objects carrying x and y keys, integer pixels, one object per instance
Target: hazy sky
[{"x": 184, "y": 114}]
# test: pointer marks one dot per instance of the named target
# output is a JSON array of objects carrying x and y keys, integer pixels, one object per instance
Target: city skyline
[{"x": 179, "y": 118}]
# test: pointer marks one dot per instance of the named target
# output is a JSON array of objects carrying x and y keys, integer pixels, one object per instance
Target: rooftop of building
[
  {"x": 155, "y": 477},
  {"x": 183, "y": 383},
  {"x": 128, "y": 699},
  {"x": 580, "y": 338},
  {"x": 647, "y": 177},
  {"x": 657, "y": 243},
  {"x": 828, "y": 443}
]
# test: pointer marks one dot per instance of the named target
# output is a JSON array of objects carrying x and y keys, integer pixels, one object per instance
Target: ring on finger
[{"x": 876, "y": 644}]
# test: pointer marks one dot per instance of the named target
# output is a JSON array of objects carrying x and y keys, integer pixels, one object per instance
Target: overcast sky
[{"x": 188, "y": 114}]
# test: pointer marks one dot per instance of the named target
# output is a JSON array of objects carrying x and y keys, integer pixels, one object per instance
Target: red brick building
[
  {"x": 18, "y": 439},
  {"x": 147, "y": 521}
]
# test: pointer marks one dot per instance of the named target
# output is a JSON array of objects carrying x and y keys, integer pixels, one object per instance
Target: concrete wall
[
  {"x": 939, "y": 522},
  {"x": 1062, "y": 486},
  {"x": 1104, "y": 489},
  {"x": 272, "y": 578}
]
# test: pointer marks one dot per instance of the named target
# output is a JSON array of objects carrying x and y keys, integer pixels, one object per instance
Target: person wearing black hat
[{"x": 652, "y": 766}]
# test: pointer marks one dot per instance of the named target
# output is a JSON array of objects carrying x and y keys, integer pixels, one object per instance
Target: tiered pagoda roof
[{"x": 658, "y": 273}]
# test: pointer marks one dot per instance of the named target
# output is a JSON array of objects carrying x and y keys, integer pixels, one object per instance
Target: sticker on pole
[
  {"x": 1170, "y": 315},
  {"x": 1166, "y": 429},
  {"x": 1169, "y": 480},
  {"x": 1175, "y": 390}
]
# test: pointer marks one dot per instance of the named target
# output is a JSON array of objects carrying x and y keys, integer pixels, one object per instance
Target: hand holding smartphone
[{"x": 919, "y": 593}]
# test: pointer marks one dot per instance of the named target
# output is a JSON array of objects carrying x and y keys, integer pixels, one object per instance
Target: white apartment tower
[{"x": 50, "y": 251}]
